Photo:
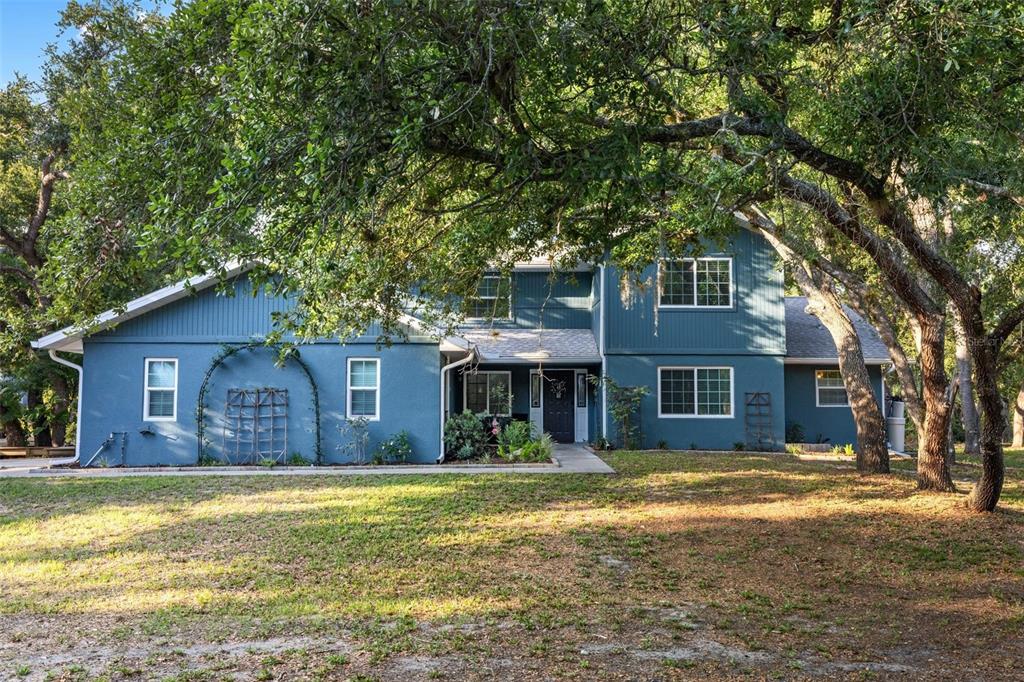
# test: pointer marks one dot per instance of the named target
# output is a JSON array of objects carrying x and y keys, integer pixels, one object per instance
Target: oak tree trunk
[
  {"x": 11, "y": 429},
  {"x": 984, "y": 353},
  {"x": 872, "y": 447},
  {"x": 965, "y": 384},
  {"x": 1018, "y": 419},
  {"x": 933, "y": 466}
]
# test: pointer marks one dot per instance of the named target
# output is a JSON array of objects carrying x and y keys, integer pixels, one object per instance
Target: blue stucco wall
[
  {"x": 755, "y": 323},
  {"x": 750, "y": 374},
  {"x": 113, "y": 397},
  {"x": 820, "y": 423}
]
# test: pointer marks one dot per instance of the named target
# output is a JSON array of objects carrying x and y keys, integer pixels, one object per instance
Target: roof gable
[{"x": 808, "y": 339}]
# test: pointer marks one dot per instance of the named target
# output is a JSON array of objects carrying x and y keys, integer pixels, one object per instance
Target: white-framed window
[
  {"x": 364, "y": 388},
  {"x": 695, "y": 392},
  {"x": 493, "y": 299},
  {"x": 488, "y": 392},
  {"x": 695, "y": 283},
  {"x": 830, "y": 389},
  {"x": 160, "y": 394}
]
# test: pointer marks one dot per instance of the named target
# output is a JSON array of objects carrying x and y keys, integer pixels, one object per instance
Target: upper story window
[
  {"x": 695, "y": 283},
  {"x": 695, "y": 391},
  {"x": 493, "y": 299},
  {"x": 830, "y": 389},
  {"x": 364, "y": 388},
  {"x": 160, "y": 396}
]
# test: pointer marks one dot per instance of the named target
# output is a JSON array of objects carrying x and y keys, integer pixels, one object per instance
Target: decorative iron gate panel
[{"x": 256, "y": 425}]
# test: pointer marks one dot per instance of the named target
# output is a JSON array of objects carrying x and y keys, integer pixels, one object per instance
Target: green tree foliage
[
  {"x": 363, "y": 150},
  {"x": 32, "y": 158}
]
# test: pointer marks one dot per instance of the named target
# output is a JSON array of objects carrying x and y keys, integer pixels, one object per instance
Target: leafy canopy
[{"x": 363, "y": 150}]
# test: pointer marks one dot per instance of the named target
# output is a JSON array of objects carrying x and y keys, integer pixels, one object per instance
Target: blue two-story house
[{"x": 181, "y": 374}]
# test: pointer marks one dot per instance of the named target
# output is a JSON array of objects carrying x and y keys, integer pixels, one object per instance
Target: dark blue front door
[{"x": 560, "y": 406}]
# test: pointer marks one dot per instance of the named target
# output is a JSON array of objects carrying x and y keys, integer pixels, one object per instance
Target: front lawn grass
[
  {"x": 1012, "y": 457},
  {"x": 683, "y": 564}
]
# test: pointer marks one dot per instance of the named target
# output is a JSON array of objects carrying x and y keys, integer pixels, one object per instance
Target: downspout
[
  {"x": 604, "y": 360},
  {"x": 444, "y": 375},
  {"x": 78, "y": 418}
]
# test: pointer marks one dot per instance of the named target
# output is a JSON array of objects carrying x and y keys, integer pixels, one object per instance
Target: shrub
[
  {"x": 624, "y": 406},
  {"x": 464, "y": 436},
  {"x": 663, "y": 445},
  {"x": 794, "y": 432},
  {"x": 297, "y": 460},
  {"x": 537, "y": 450},
  {"x": 208, "y": 460},
  {"x": 395, "y": 449},
  {"x": 357, "y": 432},
  {"x": 739, "y": 446},
  {"x": 794, "y": 449},
  {"x": 515, "y": 435}
]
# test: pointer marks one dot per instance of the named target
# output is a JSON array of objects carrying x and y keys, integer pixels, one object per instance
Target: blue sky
[{"x": 26, "y": 27}]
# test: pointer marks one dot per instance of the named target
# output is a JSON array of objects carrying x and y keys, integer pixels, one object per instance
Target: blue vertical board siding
[
  {"x": 755, "y": 323},
  {"x": 236, "y": 315},
  {"x": 548, "y": 300},
  {"x": 821, "y": 424},
  {"x": 750, "y": 374},
  {"x": 210, "y": 315},
  {"x": 552, "y": 300}
]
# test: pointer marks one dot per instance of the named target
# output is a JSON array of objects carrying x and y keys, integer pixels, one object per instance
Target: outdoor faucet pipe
[
  {"x": 78, "y": 419},
  {"x": 444, "y": 374}
]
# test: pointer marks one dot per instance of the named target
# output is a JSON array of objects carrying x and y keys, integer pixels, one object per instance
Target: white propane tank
[{"x": 897, "y": 426}]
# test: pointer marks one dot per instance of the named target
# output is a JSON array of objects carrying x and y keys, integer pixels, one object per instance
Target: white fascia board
[
  {"x": 527, "y": 359},
  {"x": 832, "y": 360},
  {"x": 548, "y": 267},
  {"x": 447, "y": 342}
]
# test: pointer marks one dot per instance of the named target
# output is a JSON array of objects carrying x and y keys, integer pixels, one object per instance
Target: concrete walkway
[{"x": 569, "y": 459}]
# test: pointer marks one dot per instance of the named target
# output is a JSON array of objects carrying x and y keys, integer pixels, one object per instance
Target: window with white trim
[
  {"x": 695, "y": 391},
  {"x": 493, "y": 299},
  {"x": 364, "y": 388},
  {"x": 695, "y": 283},
  {"x": 830, "y": 389},
  {"x": 160, "y": 401},
  {"x": 488, "y": 393}
]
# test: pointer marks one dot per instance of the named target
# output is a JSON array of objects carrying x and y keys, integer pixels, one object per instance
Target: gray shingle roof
[
  {"x": 533, "y": 345},
  {"x": 806, "y": 337}
]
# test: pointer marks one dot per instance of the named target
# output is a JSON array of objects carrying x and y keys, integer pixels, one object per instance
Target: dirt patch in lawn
[{"x": 682, "y": 566}]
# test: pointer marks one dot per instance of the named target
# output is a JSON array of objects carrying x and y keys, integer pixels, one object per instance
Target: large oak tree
[{"x": 364, "y": 149}]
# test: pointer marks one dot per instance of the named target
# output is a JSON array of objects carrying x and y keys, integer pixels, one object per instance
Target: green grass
[
  {"x": 766, "y": 552},
  {"x": 1012, "y": 457}
]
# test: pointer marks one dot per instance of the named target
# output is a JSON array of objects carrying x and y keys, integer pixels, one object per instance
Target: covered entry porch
[{"x": 546, "y": 377}]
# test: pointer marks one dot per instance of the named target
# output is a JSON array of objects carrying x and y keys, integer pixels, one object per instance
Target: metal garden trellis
[{"x": 227, "y": 351}]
